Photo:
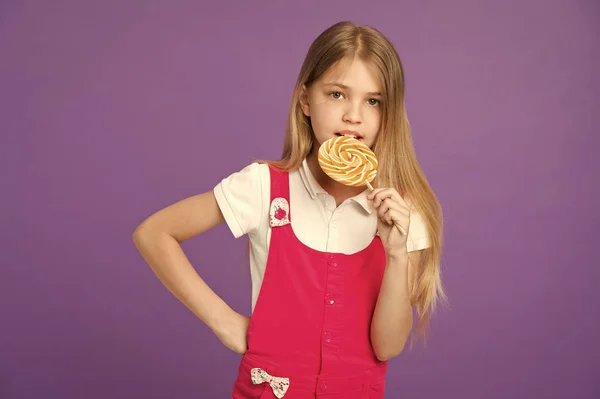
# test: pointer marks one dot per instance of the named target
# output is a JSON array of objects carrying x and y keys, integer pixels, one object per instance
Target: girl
[{"x": 333, "y": 280}]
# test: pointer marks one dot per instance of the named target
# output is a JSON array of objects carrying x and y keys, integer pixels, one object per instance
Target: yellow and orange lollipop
[{"x": 350, "y": 162}]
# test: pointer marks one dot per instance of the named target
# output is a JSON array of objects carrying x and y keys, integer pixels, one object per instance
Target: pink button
[
  {"x": 327, "y": 337},
  {"x": 323, "y": 386},
  {"x": 329, "y": 298}
]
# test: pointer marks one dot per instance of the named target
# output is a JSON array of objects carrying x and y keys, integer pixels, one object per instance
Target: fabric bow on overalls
[{"x": 278, "y": 384}]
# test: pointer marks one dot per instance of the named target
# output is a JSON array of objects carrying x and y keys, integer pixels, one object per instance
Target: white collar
[{"x": 314, "y": 188}]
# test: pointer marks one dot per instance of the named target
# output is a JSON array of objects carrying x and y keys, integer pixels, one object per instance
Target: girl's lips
[{"x": 350, "y": 133}]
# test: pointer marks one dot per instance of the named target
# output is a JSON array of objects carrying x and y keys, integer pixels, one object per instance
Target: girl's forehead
[{"x": 354, "y": 74}]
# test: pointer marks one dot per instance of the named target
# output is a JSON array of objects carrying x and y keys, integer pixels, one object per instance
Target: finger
[
  {"x": 392, "y": 216},
  {"x": 385, "y": 206},
  {"x": 389, "y": 203},
  {"x": 385, "y": 220},
  {"x": 399, "y": 225},
  {"x": 382, "y": 194},
  {"x": 375, "y": 192}
]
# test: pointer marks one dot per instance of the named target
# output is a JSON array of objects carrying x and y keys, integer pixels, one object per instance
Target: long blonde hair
[{"x": 398, "y": 166}]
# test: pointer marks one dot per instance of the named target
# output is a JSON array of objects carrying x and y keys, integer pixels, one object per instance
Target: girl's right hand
[{"x": 233, "y": 332}]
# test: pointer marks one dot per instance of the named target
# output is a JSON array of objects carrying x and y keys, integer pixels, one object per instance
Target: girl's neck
[{"x": 337, "y": 190}]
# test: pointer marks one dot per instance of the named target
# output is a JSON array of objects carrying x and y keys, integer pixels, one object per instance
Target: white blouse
[{"x": 244, "y": 200}]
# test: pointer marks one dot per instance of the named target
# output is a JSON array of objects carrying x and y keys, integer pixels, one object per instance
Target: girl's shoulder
[
  {"x": 258, "y": 171},
  {"x": 255, "y": 169}
]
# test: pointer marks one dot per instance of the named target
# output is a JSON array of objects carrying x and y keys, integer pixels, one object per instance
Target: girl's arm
[
  {"x": 393, "y": 317},
  {"x": 158, "y": 238}
]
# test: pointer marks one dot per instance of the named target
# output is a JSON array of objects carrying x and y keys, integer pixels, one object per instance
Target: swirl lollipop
[{"x": 350, "y": 162}]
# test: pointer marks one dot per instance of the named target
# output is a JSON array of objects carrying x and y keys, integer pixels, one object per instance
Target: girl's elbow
[
  {"x": 138, "y": 235},
  {"x": 385, "y": 355},
  {"x": 141, "y": 235}
]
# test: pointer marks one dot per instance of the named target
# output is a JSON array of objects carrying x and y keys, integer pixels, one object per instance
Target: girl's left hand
[{"x": 391, "y": 209}]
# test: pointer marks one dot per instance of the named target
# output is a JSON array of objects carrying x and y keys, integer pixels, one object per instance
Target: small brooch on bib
[{"x": 279, "y": 212}]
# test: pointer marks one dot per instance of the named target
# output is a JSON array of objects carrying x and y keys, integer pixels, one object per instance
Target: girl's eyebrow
[{"x": 344, "y": 87}]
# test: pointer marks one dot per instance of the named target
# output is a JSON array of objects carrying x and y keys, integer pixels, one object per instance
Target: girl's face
[{"x": 346, "y": 100}]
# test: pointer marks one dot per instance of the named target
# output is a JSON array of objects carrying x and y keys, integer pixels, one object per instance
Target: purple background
[{"x": 112, "y": 110}]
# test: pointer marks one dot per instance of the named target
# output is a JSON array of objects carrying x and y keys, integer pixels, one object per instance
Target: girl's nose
[{"x": 352, "y": 114}]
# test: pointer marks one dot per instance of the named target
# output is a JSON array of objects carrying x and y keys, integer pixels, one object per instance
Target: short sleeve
[
  {"x": 241, "y": 198},
  {"x": 418, "y": 238}
]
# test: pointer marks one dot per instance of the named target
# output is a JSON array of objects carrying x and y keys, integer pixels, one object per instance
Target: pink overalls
[{"x": 309, "y": 332}]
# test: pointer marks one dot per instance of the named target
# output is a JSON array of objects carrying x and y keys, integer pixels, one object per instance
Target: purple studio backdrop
[{"x": 112, "y": 110}]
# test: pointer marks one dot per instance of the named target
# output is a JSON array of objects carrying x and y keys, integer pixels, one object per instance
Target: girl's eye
[
  {"x": 336, "y": 95},
  {"x": 374, "y": 102}
]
